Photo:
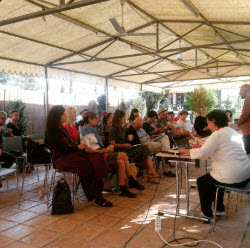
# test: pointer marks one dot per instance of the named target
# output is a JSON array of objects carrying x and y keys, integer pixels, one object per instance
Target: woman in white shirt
[
  {"x": 230, "y": 164},
  {"x": 117, "y": 160}
]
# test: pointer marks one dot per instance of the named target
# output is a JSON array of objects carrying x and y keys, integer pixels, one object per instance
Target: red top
[
  {"x": 72, "y": 131},
  {"x": 176, "y": 118}
]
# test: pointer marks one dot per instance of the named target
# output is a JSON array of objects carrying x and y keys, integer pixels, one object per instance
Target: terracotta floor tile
[
  {"x": 63, "y": 226},
  {"x": 66, "y": 242},
  {"x": 26, "y": 204},
  {"x": 87, "y": 231},
  {"x": 94, "y": 244},
  {"x": 41, "y": 238},
  {"x": 113, "y": 238},
  {"x": 119, "y": 212},
  {"x": 18, "y": 232},
  {"x": 104, "y": 221},
  {"x": 5, "y": 241},
  {"x": 40, "y": 209},
  {"x": 96, "y": 209},
  {"x": 19, "y": 244},
  {"x": 82, "y": 216},
  {"x": 126, "y": 226},
  {"x": 5, "y": 212},
  {"x": 22, "y": 216},
  {"x": 129, "y": 203},
  {"x": 6, "y": 224},
  {"x": 42, "y": 221}
]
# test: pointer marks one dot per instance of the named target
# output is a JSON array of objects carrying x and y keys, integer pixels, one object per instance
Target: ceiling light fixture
[{"x": 190, "y": 7}]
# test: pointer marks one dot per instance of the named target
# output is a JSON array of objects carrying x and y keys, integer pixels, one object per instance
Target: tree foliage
[
  {"x": 101, "y": 101},
  {"x": 202, "y": 97},
  {"x": 4, "y": 78},
  {"x": 23, "y": 115}
]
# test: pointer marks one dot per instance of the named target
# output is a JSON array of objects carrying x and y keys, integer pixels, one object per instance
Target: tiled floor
[{"x": 31, "y": 225}]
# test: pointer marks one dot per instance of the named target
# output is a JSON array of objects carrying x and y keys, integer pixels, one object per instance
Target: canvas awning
[{"x": 193, "y": 39}]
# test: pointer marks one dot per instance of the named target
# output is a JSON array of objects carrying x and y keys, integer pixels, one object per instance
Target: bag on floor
[{"x": 61, "y": 201}]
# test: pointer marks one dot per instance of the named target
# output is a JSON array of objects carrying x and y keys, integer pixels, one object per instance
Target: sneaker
[
  {"x": 134, "y": 184},
  {"x": 169, "y": 174},
  {"x": 127, "y": 193},
  {"x": 220, "y": 213},
  {"x": 210, "y": 219}
]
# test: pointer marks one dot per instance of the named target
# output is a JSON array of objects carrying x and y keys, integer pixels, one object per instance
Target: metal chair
[
  {"x": 245, "y": 191},
  {"x": 74, "y": 184},
  {"x": 38, "y": 137},
  {"x": 5, "y": 172}
]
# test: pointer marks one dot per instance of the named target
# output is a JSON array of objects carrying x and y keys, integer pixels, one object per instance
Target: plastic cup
[{"x": 41, "y": 193}]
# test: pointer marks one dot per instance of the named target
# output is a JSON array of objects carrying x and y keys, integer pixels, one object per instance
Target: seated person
[
  {"x": 161, "y": 121},
  {"x": 176, "y": 130},
  {"x": 200, "y": 124},
  {"x": 147, "y": 125},
  {"x": 117, "y": 160},
  {"x": 141, "y": 137},
  {"x": 69, "y": 125},
  {"x": 106, "y": 124},
  {"x": 140, "y": 154},
  {"x": 14, "y": 118},
  {"x": 133, "y": 115},
  {"x": 7, "y": 158},
  {"x": 230, "y": 164},
  {"x": 69, "y": 157},
  {"x": 184, "y": 124},
  {"x": 80, "y": 124},
  {"x": 229, "y": 115}
]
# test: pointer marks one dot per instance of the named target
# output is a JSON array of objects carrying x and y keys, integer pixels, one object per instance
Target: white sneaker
[
  {"x": 220, "y": 213},
  {"x": 210, "y": 219}
]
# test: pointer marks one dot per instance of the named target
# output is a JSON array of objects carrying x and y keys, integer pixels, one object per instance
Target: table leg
[
  {"x": 178, "y": 166},
  {"x": 187, "y": 187}
]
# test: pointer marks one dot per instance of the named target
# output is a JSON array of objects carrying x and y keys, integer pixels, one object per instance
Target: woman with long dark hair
[
  {"x": 139, "y": 154},
  {"x": 68, "y": 157},
  {"x": 133, "y": 115}
]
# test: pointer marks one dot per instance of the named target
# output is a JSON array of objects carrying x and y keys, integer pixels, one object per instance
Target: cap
[{"x": 161, "y": 110}]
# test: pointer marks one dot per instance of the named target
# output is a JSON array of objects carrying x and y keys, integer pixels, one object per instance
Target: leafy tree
[
  {"x": 23, "y": 115},
  {"x": 101, "y": 101},
  {"x": 151, "y": 99},
  {"x": 202, "y": 97},
  {"x": 122, "y": 105},
  {"x": 4, "y": 78},
  {"x": 163, "y": 103},
  {"x": 92, "y": 106}
]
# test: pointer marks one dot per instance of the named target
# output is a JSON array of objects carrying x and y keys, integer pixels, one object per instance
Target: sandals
[{"x": 104, "y": 203}]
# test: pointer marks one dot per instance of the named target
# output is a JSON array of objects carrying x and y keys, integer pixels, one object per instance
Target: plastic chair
[
  {"x": 245, "y": 191},
  {"x": 5, "y": 172}
]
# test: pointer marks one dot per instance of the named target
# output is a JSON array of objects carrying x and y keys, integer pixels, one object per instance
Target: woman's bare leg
[
  {"x": 124, "y": 157},
  {"x": 121, "y": 171},
  {"x": 149, "y": 167}
]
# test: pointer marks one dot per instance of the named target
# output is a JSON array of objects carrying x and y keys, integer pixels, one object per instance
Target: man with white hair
[
  {"x": 141, "y": 137},
  {"x": 244, "y": 121}
]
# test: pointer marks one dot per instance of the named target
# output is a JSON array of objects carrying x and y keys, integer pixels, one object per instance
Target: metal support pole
[
  {"x": 141, "y": 109},
  {"x": 47, "y": 92},
  {"x": 107, "y": 94}
]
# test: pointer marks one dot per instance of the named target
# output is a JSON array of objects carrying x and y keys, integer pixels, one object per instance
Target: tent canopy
[{"x": 193, "y": 39}]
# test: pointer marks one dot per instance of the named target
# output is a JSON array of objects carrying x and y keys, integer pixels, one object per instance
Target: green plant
[
  {"x": 151, "y": 99},
  {"x": 101, "y": 100},
  {"x": 23, "y": 115},
  {"x": 202, "y": 97}
]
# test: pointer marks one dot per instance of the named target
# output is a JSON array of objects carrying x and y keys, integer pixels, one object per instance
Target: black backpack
[{"x": 61, "y": 201}]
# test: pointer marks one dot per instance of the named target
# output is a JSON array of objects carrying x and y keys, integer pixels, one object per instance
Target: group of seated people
[{"x": 8, "y": 130}]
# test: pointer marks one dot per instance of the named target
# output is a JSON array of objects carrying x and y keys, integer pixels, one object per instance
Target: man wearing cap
[{"x": 161, "y": 122}]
